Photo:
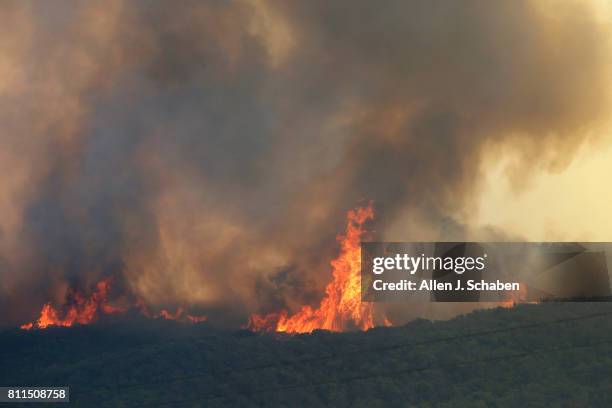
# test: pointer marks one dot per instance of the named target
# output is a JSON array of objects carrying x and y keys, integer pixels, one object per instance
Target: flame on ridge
[
  {"x": 79, "y": 309},
  {"x": 341, "y": 307}
]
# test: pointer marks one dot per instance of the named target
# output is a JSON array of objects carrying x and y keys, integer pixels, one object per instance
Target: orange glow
[
  {"x": 78, "y": 309},
  {"x": 179, "y": 316},
  {"x": 341, "y": 308},
  {"x": 516, "y": 297}
]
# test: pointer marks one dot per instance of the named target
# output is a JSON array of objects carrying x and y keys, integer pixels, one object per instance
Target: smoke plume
[{"x": 204, "y": 153}]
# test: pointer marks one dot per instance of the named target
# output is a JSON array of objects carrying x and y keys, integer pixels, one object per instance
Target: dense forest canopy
[{"x": 551, "y": 354}]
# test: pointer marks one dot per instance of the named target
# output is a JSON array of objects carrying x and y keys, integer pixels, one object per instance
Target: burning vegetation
[
  {"x": 515, "y": 298},
  {"x": 81, "y": 309},
  {"x": 341, "y": 307}
]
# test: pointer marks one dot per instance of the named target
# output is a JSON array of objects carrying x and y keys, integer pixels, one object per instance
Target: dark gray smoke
[{"x": 205, "y": 153}]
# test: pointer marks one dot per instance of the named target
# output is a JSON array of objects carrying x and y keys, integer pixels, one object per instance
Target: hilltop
[{"x": 530, "y": 355}]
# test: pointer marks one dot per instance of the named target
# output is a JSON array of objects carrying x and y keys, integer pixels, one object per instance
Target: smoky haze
[{"x": 205, "y": 153}]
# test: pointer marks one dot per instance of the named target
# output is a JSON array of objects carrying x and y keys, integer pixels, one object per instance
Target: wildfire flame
[
  {"x": 516, "y": 297},
  {"x": 79, "y": 309},
  {"x": 342, "y": 306},
  {"x": 180, "y": 315}
]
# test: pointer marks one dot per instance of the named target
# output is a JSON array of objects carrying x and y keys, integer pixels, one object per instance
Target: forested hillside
[{"x": 553, "y": 354}]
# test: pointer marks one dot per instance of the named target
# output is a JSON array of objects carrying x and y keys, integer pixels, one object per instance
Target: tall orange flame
[
  {"x": 79, "y": 309},
  {"x": 341, "y": 308}
]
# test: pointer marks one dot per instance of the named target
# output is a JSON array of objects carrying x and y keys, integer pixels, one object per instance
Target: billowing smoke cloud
[{"x": 205, "y": 153}]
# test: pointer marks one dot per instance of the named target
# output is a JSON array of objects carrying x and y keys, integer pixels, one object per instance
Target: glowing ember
[
  {"x": 79, "y": 309},
  {"x": 341, "y": 308},
  {"x": 179, "y": 316}
]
